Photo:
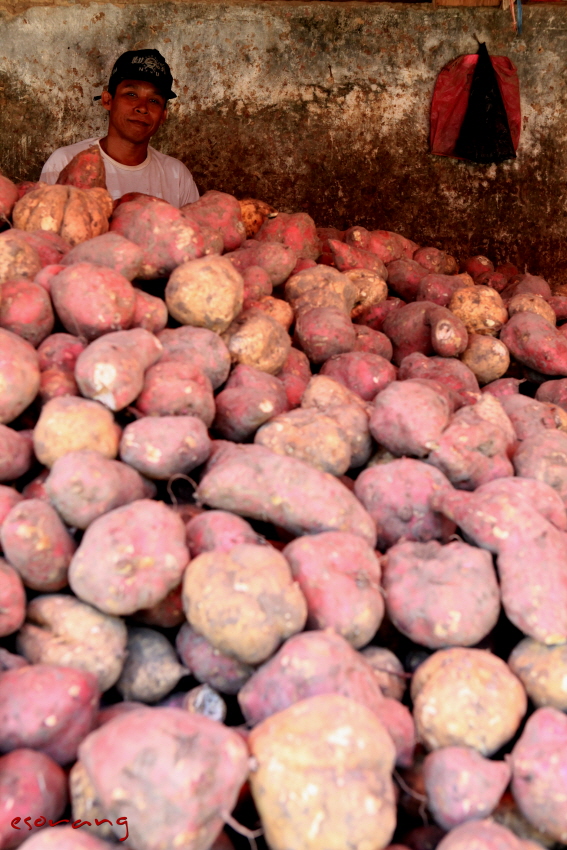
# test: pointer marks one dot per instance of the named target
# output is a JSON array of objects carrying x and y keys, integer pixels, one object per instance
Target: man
[{"x": 136, "y": 101}]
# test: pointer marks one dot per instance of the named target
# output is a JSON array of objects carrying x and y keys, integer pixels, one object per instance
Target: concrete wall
[{"x": 315, "y": 106}]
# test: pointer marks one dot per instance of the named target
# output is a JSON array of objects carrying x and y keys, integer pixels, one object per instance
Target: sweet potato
[
  {"x": 130, "y": 558},
  {"x": 296, "y": 230},
  {"x": 110, "y": 249},
  {"x": 37, "y": 545},
  {"x": 278, "y": 309},
  {"x": 172, "y": 800},
  {"x": 166, "y": 614},
  {"x": 341, "y": 291},
  {"x": 84, "y": 484},
  {"x": 503, "y": 387},
  {"x": 310, "y": 436},
  {"x": 393, "y": 421},
  {"x": 440, "y": 288},
  {"x": 150, "y": 312},
  {"x": 477, "y": 265},
  {"x": 254, "y": 213},
  {"x": 277, "y": 260},
  {"x": 208, "y": 665},
  {"x": 86, "y": 170},
  {"x": 425, "y": 327},
  {"x": 554, "y": 392},
  {"x": 404, "y": 276},
  {"x": 339, "y": 576},
  {"x": 529, "y": 416},
  {"x": 538, "y": 772},
  {"x": 450, "y": 706},
  {"x": 254, "y": 482},
  {"x": 346, "y": 257},
  {"x": 32, "y": 785},
  {"x": 48, "y": 708},
  {"x": 323, "y": 332},
  {"x": 374, "y": 317},
  {"x": 167, "y": 238},
  {"x": 50, "y": 247},
  {"x": 16, "y": 453},
  {"x": 12, "y": 599},
  {"x": 250, "y": 398},
  {"x": 295, "y": 375},
  {"x": 75, "y": 214},
  {"x": 461, "y": 785},
  {"x": 45, "y": 276},
  {"x": 316, "y": 762},
  {"x": 176, "y": 388},
  {"x": 219, "y": 211},
  {"x": 92, "y": 300},
  {"x": 66, "y": 838},
  {"x": 162, "y": 446},
  {"x": 111, "y": 369},
  {"x": 19, "y": 375},
  {"x": 441, "y": 595},
  {"x": 18, "y": 259},
  {"x": 398, "y": 496},
  {"x": 151, "y": 668},
  {"x": 526, "y": 284},
  {"x": 244, "y": 602},
  {"x": 200, "y": 347},
  {"x": 8, "y": 498},
  {"x": 62, "y": 630},
  {"x": 530, "y": 303},
  {"x": 399, "y": 723},
  {"x": 543, "y": 456},
  {"x": 205, "y": 293},
  {"x": 448, "y": 371},
  {"x": 68, "y": 424},
  {"x": 483, "y": 834},
  {"x": 365, "y": 374},
  {"x": 8, "y": 196},
  {"x": 496, "y": 280},
  {"x": 60, "y": 350},
  {"x": 542, "y": 670},
  {"x": 388, "y": 670},
  {"x": 257, "y": 284},
  {"x": 350, "y": 412},
  {"x": 372, "y": 289},
  {"x": 487, "y": 358},
  {"x": 256, "y": 339},
  {"x": 436, "y": 261},
  {"x": 480, "y": 308},
  {"x": 535, "y": 343},
  {"x": 373, "y": 342},
  {"x": 218, "y": 531}
]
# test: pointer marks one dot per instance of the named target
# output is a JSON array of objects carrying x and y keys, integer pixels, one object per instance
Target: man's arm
[{"x": 188, "y": 191}]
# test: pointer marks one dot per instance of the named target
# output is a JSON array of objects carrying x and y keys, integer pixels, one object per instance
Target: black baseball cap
[{"x": 148, "y": 65}]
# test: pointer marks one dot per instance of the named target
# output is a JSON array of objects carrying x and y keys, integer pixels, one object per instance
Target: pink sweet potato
[
  {"x": 496, "y": 280},
  {"x": 503, "y": 387},
  {"x": 477, "y": 265},
  {"x": 346, "y": 257},
  {"x": 46, "y": 274},
  {"x": 374, "y": 317},
  {"x": 111, "y": 369},
  {"x": 529, "y": 416},
  {"x": 25, "y": 309},
  {"x": 526, "y": 283},
  {"x": 51, "y": 248},
  {"x": 485, "y": 833},
  {"x": 16, "y": 453},
  {"x": 150, "y": 312},
  {"x": 296, "y": 230},
  {"x": 339, "y": 575},
  {"x": 219, "y": 211},
  {"x": 404, "y": 277},
  {"x": 374, "y": 342},
  {"x": 32, "y": 785},
  {"x": 441, "y": 595},
  {"x": 8, "y": 498},
  {"x": 543, "y": 457},
  {"x": 83, "y": 485},
  {"x": 67, "y": 838},
  {"x": 323, "y": 332},
  {"x": 276, "y": 259},
  {"x": 257, "y": 283},
  {"x": 174, "y": 388},
  {"x": 130, "y": 558},
  {"x": 47, "y": 708},
  {"x": 166, "y": 237},
  {"x": 425, "y": 327},
  {"x": 554, "y": 392},
  {"x": 172, "y": 800},
  {"x": 12, "y": 599},
  {"x": 92, "y": 300},
  {"x": 162, "y": 446},
  {"x": 435, "y": 260},
  {"x": 254, "y": 482},
  {"x": 8, "y": 196},
  {"x": 395, "y": 424},
  {"x": 60, "y": 350},
  {"x": 448, "y": 371},
  {"x": 440, "y": 288},
  {"x": 199, "y": 347},
  {"x": 295, "y": 374},
  {"x": 250, "y": 398},
  {"x": 218, "y": 531},
  {"x": 19, "y": 375},
  {"x": 398, "y": 496},
  {"x": 365, "y": 374},
  {"x": 86, "y": 170},
  {"x": 109, "y": 249}
]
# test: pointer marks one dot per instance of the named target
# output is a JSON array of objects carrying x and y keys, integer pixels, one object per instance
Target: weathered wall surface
[{"x": 313, "y": 106}]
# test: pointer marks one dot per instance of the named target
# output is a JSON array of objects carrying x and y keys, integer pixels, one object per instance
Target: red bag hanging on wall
[{"x": 451, "y": 98}]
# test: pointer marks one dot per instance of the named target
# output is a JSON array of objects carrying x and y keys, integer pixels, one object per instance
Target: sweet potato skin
[
  {"x": 218, "y": 531},
  {"x": 25, "y": 309},
  {"x": 542, "y": 670},
  {"x": 251, "y": 398},
  {"x": 161, "y": 446},
  {"x": 363, "y": 373},
  {"x": 393, "y": 421},
  {"x": 323, "y": 332},
  {"x": 109, "y": 249},
  {"x": 16, "y": 454},
  {"x": 257, "y": 339},
  {"x": 12, "y": 599},
  {"x": 536, "y": 344},
  {"x": 19, "y": 368},
  {"x": 176, "y": 388},
  {"x": 207, "y": 664},
  {"x": 276, "y": 259}
]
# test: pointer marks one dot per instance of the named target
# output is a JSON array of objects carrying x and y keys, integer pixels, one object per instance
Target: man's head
[{"x": 146, "y": 65}]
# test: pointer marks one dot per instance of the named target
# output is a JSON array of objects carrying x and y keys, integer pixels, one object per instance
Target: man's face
[{"x": 136, "y": 111}]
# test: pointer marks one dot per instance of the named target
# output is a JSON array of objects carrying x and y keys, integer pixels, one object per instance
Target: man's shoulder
[{"x": 62, "y": 156}]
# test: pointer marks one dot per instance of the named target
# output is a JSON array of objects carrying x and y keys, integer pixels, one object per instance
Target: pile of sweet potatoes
[{"x": 283, "y": 525}]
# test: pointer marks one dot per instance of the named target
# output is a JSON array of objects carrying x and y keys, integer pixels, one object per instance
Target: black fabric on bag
[{"x": 485, "y": 133}]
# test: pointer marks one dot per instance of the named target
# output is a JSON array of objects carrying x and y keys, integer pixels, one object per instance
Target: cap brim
[{"x": 169, "y": 96}]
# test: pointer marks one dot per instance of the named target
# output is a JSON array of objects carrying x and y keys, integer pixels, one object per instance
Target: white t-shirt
[{"x": 160, "y": 175}]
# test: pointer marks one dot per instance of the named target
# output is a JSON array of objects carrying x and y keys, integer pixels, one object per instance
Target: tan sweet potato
[
  {"x": 25, "y": 309},
  {"x": 19, "y": 375},
  {"x": 542, "y": 670},
  {"x": 531, "y": 303},
  {"x": 480, "y": 308},
  {"x": 487, "y": 358},
  {"x": 62, "y": 630},
  {"x": 450, "y": 706},
  {"x": 372, "y": 289},
  {"x": 177, "y": 388},
  {"x": 251, "y": 398},
  {"x": 254, "y": 213},
  {"x": 69, "y": 424},
  {"x": 130, "y": 558},
  {"x": 205, "y": 293},
  {"x": 162, "y": 446},
  {"x": 301, "y": 289},
  {"x": 339, "y": 575},
  {"x": 84, "y": 484},
  {"x": 151, "y": 668},
  {"x": 75, "y": 214},
  {"x": 349, "y": 411},
  {"x": 48, "y": 708},
  {"x": 37, "y": 545},
  {"x": 256, "y": 339},
  {"x": 316, "y": 763},
  {"x": 278, "y": 309},
  {"x": 244, "y": 602},
  {"x": 310, "y": 436},
  {"x": 18, "y": 259}
]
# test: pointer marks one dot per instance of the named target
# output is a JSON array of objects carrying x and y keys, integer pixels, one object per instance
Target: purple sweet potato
[
  {"x": 409, "y": 417},
  {"x": 26, "y": 310},
  {"x": 339, "y": 575},
  {"x": 111, "y": 369},
  {"x": 218, "y": 531},
  {"x": 130, "y": 558},
  {"x": 12, "y": 599},
  {"x": 111, "y": 250},
  {"x": 175, "y": 388},
  {"x": 19, "y": 374},
  {"x": 199, "y": 347},
  {"x": 162, "y": 446},
  {"x": 536, "y": 344},
  {"x": 461, "y": 785},
  {"x": 37, "y": 545},
  {"x": 219, "y": 211},
  {"x": 250, "y": 398},
  {"x": 84, "y": 485},
  {"x": 448, "y": 371},
  {"x": 173, "y": 800},
  {"x": 424, "y": 326},
  {"x": 398, "y": 496},
  {"x": 32, "y": 785},
  {"x": 16, "y": 453},
  {"x": 254, "y": 482},
  {"x": 538, "y": 772},
  {"x": 222, "y": 672},
  {"x": 441, "y": 595},
  {"x": 245, "y": 602},
  {"x": 48, "y": 708},
  {"x": 150, "y": 312},
  {"x": 276, "y": 259},
  {"x": 296, "y": 230},
  {"x": 68, "y": 424},
  {"x": 365, "y": 374},
  {"x": 92, "y": 300}
]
